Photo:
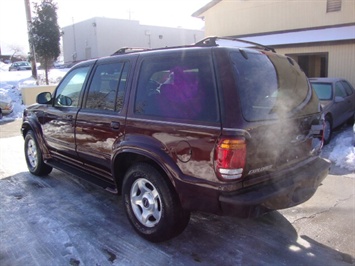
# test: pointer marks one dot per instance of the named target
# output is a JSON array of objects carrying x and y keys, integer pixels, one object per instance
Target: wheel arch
[
  {"x": 124, "y": 159},
  {"x": 36, "y": 129}
]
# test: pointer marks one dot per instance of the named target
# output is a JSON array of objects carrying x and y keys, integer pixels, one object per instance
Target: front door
[
  {"x": 101, "y": 122},
  {"x": 58, "y": 120}
]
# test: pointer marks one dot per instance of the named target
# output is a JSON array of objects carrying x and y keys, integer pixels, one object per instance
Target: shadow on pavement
[{"x": 60, "y": 220}]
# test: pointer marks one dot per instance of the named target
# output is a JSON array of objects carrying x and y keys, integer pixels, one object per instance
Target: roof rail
[
  {"x": 212, "y": 41},
  {"x": 206, "y": 42},
  {"x": 125, "y": 50}
]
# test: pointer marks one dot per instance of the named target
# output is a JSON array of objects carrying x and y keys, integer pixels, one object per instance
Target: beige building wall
[
  {"x": 239, "y": 17},
  {"x": 341, "y": 58},
  {"x": 248, "y": 18}
]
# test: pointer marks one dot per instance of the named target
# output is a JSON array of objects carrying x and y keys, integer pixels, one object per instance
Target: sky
[{"x": 169, "y": 13}]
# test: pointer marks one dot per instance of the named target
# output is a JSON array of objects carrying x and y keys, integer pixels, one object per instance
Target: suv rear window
[{"x": 270, "y": 86}]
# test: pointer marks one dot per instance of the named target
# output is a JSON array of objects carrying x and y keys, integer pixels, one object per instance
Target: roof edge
[
  {"x": 198, "y": 13},
  {"x": 292, "y": 30}
]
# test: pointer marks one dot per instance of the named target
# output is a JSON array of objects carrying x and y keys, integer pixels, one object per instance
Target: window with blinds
[{"x": 333, "y": 5}]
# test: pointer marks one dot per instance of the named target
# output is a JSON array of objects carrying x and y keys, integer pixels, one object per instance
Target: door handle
[
  {"x": 68, "y": 117},
  {"x": 115, "y": 125}
]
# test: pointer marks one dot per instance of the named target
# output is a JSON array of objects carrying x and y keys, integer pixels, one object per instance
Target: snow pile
[
  {"x": 10, "y": 86},
  {"x": 4, "y": 67},
  {"x": 11, "y": 83},
  {"x": 343, "y": 154}
]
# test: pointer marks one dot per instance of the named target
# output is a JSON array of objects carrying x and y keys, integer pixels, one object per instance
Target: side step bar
[{"x": 93, "y": 179}]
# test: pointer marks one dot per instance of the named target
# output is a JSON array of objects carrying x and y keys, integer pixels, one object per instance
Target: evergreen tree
[{"x": 45, "y": 34}]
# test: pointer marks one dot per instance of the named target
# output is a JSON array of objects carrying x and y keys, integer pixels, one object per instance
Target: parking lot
[{"x": 61, "y": 220}]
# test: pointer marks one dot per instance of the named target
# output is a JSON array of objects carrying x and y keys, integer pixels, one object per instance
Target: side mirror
[
  {"x": 339, "y": 99},
  {"x": 44, "y": 98}
]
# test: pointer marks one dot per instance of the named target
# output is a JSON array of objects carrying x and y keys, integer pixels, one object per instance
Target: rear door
[
  {"x": 349, "y": 99},
  {"x": 174, "y": 113},
  {"x": 341, "y": 106},
  {"x": 100, "y": 123}
]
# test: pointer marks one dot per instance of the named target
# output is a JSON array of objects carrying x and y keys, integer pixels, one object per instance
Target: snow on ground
[
  {"x": 341, "y": 150},
  {"x": 344, "y": 154}
]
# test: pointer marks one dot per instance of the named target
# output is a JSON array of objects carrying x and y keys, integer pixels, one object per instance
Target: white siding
[{"x": 237, "y": 17}]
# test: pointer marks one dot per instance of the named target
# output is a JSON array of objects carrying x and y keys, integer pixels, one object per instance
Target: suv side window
[
  {"x": 68, "y": 92},
  {"x": 178, "y": 88},
  {"x": 107, "y": 87}
]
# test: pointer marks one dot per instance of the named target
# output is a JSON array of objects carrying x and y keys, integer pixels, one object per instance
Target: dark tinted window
[
  {"x": 270, "y": 86},
  {"x": 177, "y": 87},
  {"x": 68, "y": 92},
  {"x": 339, "y": 90},
  {"x": 349, "y": 90},
  {"x": 107, "y": 87}
]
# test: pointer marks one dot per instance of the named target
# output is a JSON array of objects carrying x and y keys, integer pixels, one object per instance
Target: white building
[{"x": 99, "y": 37}]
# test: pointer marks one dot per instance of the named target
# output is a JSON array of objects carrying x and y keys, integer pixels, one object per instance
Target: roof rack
[
  {"x": 125, "y": 50},
  {"x": 211, "y": 41},
  {"x": 206, "y": 42}
]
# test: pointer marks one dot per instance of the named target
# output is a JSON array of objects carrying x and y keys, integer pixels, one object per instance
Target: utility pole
[{"x": 32, "y": 50}]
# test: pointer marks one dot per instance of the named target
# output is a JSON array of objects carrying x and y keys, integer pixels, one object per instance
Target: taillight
[
  {"x": 318, "y": 136},
  {"x": 323, "y": 131},
  {"x": 230, "y": 158}
]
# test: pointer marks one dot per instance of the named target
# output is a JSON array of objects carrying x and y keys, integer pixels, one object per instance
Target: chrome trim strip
[
  {"x": 173, "y": 123},
  {"x": 241, "y": 131},
  {"x": 233, "y": 130}
]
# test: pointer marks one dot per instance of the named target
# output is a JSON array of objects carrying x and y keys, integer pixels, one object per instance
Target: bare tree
[{"x": 16, "y": 49}]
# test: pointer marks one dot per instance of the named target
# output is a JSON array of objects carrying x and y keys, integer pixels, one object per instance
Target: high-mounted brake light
[{"x": 230, "y": 158}]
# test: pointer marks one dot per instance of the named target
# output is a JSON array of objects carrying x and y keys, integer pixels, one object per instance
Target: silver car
[
  {"x": 21, "y": 65},
  {"x": 337, "y": 97},
  {"x": 6, "y": 105}
]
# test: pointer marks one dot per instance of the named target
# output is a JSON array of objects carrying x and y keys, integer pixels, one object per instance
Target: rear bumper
[{"x": 292, "y": 187}]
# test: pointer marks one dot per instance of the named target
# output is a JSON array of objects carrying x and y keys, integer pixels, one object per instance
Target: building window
[{"x": 333, "y": 5}]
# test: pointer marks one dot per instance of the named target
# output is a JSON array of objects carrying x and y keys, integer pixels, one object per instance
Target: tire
[
  {"x": 33, "y": 154},
  {"x": 328, "y": 131},
  {"x": 151, "y": 204}
]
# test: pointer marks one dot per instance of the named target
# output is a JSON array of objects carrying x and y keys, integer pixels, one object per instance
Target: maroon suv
[{"x": 207, "y": 127}]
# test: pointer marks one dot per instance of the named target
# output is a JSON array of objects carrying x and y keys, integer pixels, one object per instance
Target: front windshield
[{"x": 323, "y": 91}]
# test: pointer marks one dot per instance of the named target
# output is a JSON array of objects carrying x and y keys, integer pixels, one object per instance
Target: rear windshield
[
  {"x": 271, "y": 86},
  {"x": 323, "y": 90}
]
